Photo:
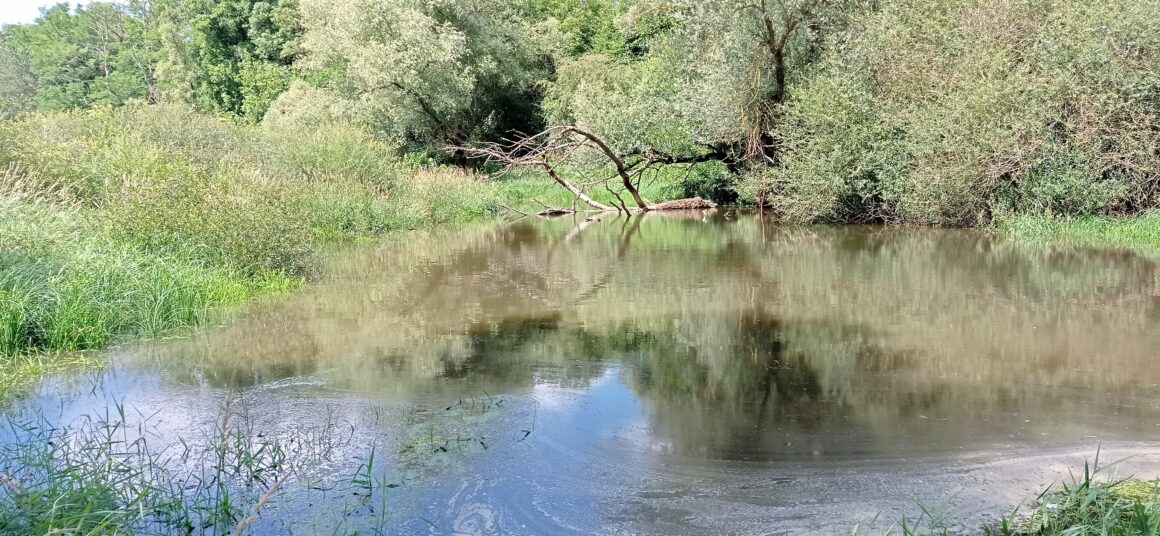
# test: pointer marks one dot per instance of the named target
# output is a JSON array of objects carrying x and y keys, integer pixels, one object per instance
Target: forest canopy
[{"x": 944, "y": 112}]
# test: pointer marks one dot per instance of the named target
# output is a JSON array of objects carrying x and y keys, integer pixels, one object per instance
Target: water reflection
[{"x": 741, "y": 339}]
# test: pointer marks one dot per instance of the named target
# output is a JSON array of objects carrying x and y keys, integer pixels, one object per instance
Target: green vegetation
[
  {"x": 1089, "y": 504},
  {"x": 103, "y": 476},
  {"x": 103, "y": 54},
  {"x": 141, "y": 220},
  {"x": 1122, "y": 508},
  {"x": 164, "y": 161},
  {"x": 956, "y": 112},
  {"x": 1092, "y": 503},
  {"x": 1140, "y": 234}
]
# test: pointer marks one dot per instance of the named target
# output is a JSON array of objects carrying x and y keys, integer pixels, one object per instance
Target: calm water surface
[{"x": 694, "y": 373}]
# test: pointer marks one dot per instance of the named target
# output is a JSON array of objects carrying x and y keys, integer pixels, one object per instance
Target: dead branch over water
[{"x": 546, "y": 150}]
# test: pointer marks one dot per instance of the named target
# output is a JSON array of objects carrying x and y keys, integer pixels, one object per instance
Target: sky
[{"x": 17, "y": 11}]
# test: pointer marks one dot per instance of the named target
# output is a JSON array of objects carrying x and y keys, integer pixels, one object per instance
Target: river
[{"x": 687, "y": 373}]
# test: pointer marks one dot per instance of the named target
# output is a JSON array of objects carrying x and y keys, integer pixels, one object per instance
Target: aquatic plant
[
  {"x": 104, "y": 475},
  {"x": 1092, "y": 502}
]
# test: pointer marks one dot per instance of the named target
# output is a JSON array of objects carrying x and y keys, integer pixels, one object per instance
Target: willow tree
[
  {"x": 710, "y": 79},
  {"x": 430, "y": 70},
  {"x": 954, "y": 112}
]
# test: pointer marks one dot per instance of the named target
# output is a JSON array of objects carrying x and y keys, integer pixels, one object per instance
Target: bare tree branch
[{"x": 560, "y": 143}]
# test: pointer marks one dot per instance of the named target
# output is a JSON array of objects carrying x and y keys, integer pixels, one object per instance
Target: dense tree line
[{"x": 950, "y": 112}]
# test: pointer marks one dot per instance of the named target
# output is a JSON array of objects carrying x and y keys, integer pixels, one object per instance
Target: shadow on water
[{"x": 690, "y": 354}]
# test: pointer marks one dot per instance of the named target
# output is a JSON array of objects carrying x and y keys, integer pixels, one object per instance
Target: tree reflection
[{"x": 743, "y": 339}]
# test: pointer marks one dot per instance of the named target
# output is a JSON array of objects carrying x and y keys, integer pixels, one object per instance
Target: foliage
[
  {"x": 947, "y": 113},
  {"x": 17, "y": 83},
  {"x": 305, "y": 106},
  {"x": 706, "y": 74},
  {"x": 431, "y": 71},
  {"x": 951, "y": 112},
  {"x": 589, "y": 25},
  {"x": 231, "y": 56},
  {"x": 101, "y": 53}
]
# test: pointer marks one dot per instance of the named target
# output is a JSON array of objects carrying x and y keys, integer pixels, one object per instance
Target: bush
[
  {"x": 947, "y": 112},
  {"x": 256, "y": 228}
]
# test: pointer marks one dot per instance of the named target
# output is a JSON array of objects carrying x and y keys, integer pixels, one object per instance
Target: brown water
[{"x": 694, "y": 373}]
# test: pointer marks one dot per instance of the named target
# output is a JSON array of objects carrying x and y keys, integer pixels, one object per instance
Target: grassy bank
[
  {"x": 1121, "y": 508},
  {"x": 1092, "y": 503},
  {"x": 137, "y": 221},
  {"x": 140, "y": 221},
  {"x": 1141, "y": 233}
]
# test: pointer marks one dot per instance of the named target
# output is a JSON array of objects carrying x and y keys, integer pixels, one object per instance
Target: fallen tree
[{"x": 546, "y": 150}]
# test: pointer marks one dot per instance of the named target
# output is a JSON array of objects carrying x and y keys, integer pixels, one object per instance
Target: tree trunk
[
  {"x": 572, "y": 188},
  {"x": 621, "y": 168}
]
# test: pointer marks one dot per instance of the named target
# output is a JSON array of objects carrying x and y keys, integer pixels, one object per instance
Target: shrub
[
  {"x": 254, "y": 228},
  {"x": 946, "y": 112}
]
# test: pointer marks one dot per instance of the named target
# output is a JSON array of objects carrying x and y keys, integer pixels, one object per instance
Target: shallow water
[{"x": 692, "y": 373}]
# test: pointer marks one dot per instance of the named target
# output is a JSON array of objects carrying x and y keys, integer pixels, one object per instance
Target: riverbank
[
  {"x": 1140, "y": 234},
  {"x": 1127, "y": 507},
  {"x": 136, "y": 222}
]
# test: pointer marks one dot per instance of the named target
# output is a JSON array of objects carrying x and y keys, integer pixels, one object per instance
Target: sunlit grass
[
  {"x": 1141, "y": 233},
  {"x": 1093, "y": 502},
  {"x": 138, "y": 222}
]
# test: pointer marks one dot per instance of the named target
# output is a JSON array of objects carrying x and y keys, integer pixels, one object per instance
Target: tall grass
[
  {"x": 1140, "y": 233},
  {"x": 64, "y": 290},
  {"x": 1093, "y": 502},
  {"x": 137, "y": 221}
]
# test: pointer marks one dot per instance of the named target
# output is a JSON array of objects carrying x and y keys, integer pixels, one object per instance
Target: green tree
[
  {"x": 587, "y": 25},
  {"x": 701, "y": 80},
  {"x": 232, "y": 56},
  {"x": 957, "y": 112},
  {"x": 433, "y": 70},
  {"x": 17, "y": 83},
  {"x": 102, "y": 53}
]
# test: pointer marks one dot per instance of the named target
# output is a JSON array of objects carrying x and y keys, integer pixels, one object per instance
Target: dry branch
[{"x": 559, "y": 143}]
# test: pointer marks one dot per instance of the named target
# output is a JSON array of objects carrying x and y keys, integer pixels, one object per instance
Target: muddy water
[{"x": 698, "y": 373}]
